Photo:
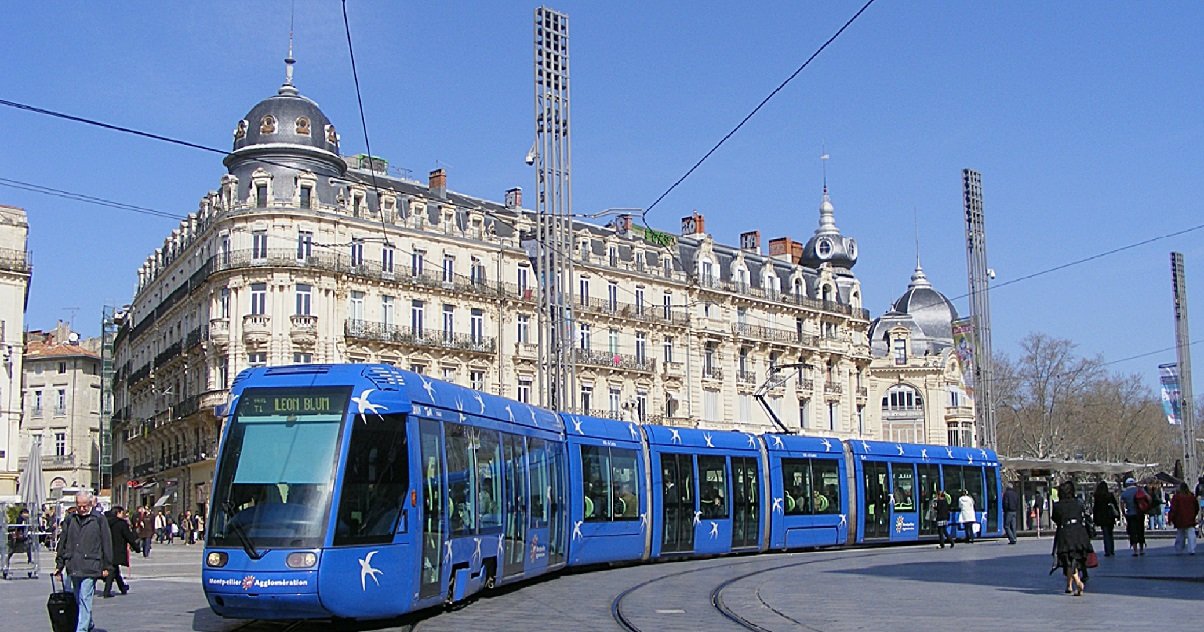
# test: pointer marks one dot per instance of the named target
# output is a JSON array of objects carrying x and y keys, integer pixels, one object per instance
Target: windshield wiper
[{"x": 243, "y": 538}]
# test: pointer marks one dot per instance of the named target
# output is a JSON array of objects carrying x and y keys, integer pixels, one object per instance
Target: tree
[{"x": 1053, "y": 404}]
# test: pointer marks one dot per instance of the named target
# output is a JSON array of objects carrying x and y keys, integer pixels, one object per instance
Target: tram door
[
  {"x": 992, "y": 507},
  {"x": 677, "y": 502},
  {"x": 876, "y": 500},
  {"x": 559, "y": 511},
  {"x": 746, "y": 495},
  {"x": 433, "y": 534},
  {"x": 516, "y": 505},
  {"x": 903, "y": 499},
  {"x": 929, "y": 482}
]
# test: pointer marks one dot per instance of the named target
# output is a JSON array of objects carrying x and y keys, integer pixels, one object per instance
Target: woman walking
[
  {"x": 1184, "y": 507},
  {"x": 1104, "y": 511},
  {"x": 940, "y": 514},
  {"x": 966, "y": 514},
  {"x": 1072, "y": 544}
]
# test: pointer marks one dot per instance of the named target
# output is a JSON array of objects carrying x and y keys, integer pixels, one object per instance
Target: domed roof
[
  {"x": 289, "y": 118},
  {"x": 827, "y": 245},
  {"x": 286, "y": 129},
  {"x": 931, "y": 310}
]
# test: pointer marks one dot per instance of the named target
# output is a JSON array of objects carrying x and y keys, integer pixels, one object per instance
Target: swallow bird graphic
[
  {"x": 707, "y": 437},
  {"x": 714, "y": 530},
  {"x": 367, "y": 571},
  {"x": 480, "y": 402},
  {"x": 429, "y": 387},
  {"x": 827, "y": 445},
  {"x": 676, "y": 436},
  {"x": 899, "y": 447},
  {"x": 365, "y": 407},
  {"x": 777, "y": 442},
  {"x": 777, "y": 505}
]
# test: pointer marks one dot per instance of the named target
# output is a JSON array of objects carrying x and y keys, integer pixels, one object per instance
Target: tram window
[
  {"x": 903, "y": 487},
  {"x": 954, "y": 482},
  {"x": 624, "y": 484},
  {"x": 712, "y": 486},
  {"x": 609, "y": 488},
  {"x": 595, "y": 483},
  {"x": 460, "y": 483},
  {"x": 489, "y": 480},
  {"x": 375, "y": 482},
  {"x": 537, "y": 455},
  {"x": 825, "y": 481},
  {"x": 796, "y": 483},
  {"x": 973, "y": 477}
]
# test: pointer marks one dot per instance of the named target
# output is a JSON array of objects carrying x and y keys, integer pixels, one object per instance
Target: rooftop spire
[
  {"x": 288, "y": 87},
  {"x": 827, "y": 215}
]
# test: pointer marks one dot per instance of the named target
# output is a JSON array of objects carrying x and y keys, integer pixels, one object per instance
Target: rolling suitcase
[{"x": 64, "y": 611}]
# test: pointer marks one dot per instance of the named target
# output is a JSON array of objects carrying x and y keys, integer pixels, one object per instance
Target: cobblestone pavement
[{"x": 988, "y": 585}]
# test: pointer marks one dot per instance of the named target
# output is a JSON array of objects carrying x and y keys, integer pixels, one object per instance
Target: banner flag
[
  {"x": 1172, "y": 400},
  {"x": 963, "y": 342}
]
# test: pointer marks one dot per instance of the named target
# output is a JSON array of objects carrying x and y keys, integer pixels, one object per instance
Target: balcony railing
[
  {"x": 365, "y": 330},
  {"x": 712, "y": 372},
  {"x": 20, "y": 261},
  {"x": 613, "y": 360},
  {"x": 746, "y": 377},
  {"x": 834, "y": 388}
]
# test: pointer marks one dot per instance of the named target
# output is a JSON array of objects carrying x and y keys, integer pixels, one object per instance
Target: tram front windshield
[{"x": 276, "y": 473}]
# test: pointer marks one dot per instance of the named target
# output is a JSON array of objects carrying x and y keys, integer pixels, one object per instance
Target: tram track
[{"x": 716, "y": 598}]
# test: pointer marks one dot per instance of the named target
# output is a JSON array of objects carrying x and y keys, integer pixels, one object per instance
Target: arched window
[
  {"x": 302, "y": 126},
  {"x": 267, "y": 125}
]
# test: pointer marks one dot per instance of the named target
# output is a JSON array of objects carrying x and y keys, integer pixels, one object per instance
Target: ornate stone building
[
  {"x": 304, "y": 255},
  {"x": 62, "y": 405},
  {"x": 917, "y": 391},
  {"x": 16, "y": 267}
]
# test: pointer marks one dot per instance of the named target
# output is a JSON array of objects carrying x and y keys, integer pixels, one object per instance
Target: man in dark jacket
[
  {"x": 86, "y": 551},
  {"x": 1011, "y": 505},
  {"x": 123, "y": 537}
]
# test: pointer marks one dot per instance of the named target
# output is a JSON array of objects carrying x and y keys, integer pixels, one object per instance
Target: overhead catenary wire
[{"x": 847, "y": 24}]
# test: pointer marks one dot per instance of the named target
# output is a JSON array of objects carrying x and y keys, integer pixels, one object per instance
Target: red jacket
[{"x": 1184, "y": 507}]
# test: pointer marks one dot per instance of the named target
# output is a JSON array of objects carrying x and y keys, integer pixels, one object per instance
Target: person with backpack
[{"x": 1137, "y": 503}]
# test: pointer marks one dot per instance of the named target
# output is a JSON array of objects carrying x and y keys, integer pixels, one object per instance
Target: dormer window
[
  {"x": 306, "y": 196},
  {"x": 267, "y": 125},
  {"x": 302, "y": 126},
  {"x": 824, "y": 248},
  {"x": 261, "y": 195}
]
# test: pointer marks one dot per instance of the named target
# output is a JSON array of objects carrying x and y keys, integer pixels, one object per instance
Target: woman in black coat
[
  {"x": 122, "y": 536},
  {"x": 1104, "y": 512},
  {"x": 1072, "y": 543},
  {"x": 940, "y": 515}
]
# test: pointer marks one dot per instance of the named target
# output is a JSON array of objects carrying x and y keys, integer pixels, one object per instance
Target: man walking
[
  {"x": 86, "y": 551},
  {"x": 144, "y": 527},
  {"x": 1011, "y": 505}
]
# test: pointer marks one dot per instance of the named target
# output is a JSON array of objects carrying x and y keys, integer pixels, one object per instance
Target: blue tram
[{"x": 424, "y": 492}]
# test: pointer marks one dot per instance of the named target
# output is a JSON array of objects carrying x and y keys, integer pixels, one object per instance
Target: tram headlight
[
  {"x": 301, "y": 560},
  {"x": 217, "y": 559}
]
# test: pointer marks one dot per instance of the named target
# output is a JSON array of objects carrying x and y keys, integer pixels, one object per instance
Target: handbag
[{"x": 1092, "y": 560}]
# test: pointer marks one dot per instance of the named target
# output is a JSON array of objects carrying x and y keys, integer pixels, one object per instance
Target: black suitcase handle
[{"x": 62, "y": 582}]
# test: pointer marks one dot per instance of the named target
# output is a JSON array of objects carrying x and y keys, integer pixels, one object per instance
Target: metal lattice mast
[
  {"x": 1187, "y": 403},
  {"x": 554, "y": 204},
  {"x": 980, "y": 306},
  {"x": 108, "y": 331}
]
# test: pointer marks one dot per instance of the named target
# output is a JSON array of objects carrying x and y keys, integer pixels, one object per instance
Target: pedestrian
[
  {"x": 1038, "y": 509},
  {"x": 1134, "y": 516},
  {"x": 1011, "y": 505},
  {"x": 1184, "y": 509},
  {"x": 940, "y": 513},
  {"x": 966, "y": 516},
  {"x": 169, "y": 528},
  {"x": 1155, "y": 510},
  {"x": 198, "y": 527},
  {"x": 144, "y": 527},
  {"x": 18, "y": 538},
  {"x": 1072, "y": 543},
  {"x": 123, "y": 540},
  {"x": 1104, "y": 511},
  {"x": 185, "y": 523},
  {"x": 160, "y": 527},
  {"x": 85, "y": 551}
]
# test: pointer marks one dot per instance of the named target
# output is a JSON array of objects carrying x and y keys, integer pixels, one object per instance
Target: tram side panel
[
  {"x": 708, "y": 493},
  {"x": 607, "y": 470},
  {"x": 808, "y": 492}
]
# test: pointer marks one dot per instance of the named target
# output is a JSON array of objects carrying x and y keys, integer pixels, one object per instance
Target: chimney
[
  {"x": 782, "y": 248},
  {"x": 693, "y": 225},
  {"x": 796, "y": 251},
  {"x": 438, "y": 183},
  {"x": 514, "y": 198},
  {"x": 751, "y": 241},
  {"x": 622, "y": 224}
]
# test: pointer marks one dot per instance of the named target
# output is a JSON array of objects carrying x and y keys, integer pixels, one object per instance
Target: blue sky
[{"x": 1084, "y": 121}]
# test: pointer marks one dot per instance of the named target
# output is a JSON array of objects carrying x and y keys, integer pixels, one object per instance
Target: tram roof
[
  {"x": 941, "y": 453},
  {"x": 694, "y": 438},
  {"x": 600, "y": 428},
  {"x": 430, "y": 393},
  {"x": 796, "y": 443}
]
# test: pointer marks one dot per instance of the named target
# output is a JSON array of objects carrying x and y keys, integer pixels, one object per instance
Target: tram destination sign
[{"x": 289, "y": 402}]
